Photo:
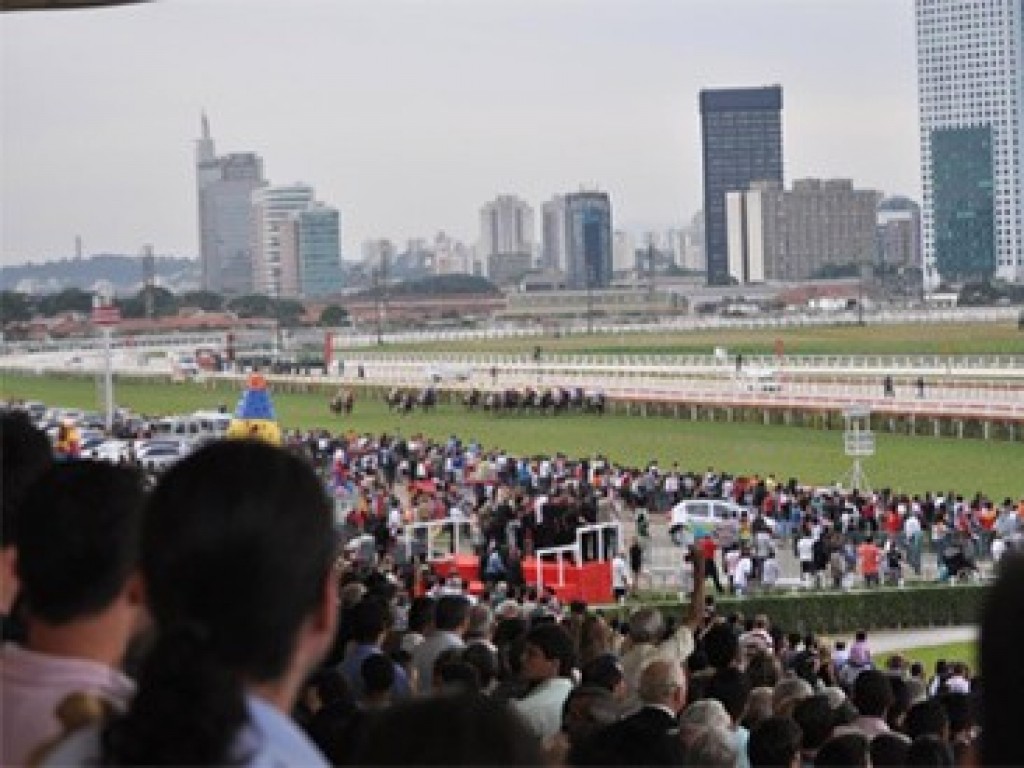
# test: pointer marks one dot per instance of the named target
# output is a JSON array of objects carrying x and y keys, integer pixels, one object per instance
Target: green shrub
[{"x": 830, "y": 612}]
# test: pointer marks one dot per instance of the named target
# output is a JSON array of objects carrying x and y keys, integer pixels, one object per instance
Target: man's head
[
  {"x": 731, "y": 688},
  {"x": 872, "y": 693},
  {"x": 927, "y": 718},
  {"x": 369, "y": 621},
  {"x": 814, "y": 717},
  {"x": 646, "y": 625},
  {"x": 721, "y": 646},
  {"x": 548, "y": 653},
  {"x": 451, "y": 614},
  {"x": 663, "y": 683},
  {"x": 378, "y": 674},
  {"x": 25, "y": 454},
  {"x": 775, "y": 743},
  {"x": 78, "y": 540}
]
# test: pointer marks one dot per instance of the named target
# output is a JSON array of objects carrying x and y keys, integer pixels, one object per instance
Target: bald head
[{"x": 663, "y": 683}]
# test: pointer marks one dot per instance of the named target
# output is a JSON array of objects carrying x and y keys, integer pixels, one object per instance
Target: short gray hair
[
  {"x": 646, "y": 625},
  {"x": 713, "y": 747},
  {"x": 705, "y": 712}
]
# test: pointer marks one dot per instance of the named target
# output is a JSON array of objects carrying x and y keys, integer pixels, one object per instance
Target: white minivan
[{"x": 694, "y": 519}]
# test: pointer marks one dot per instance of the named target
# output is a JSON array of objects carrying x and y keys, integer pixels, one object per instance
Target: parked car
[
  {"x": 694, "y": 519},
  {"x": 157, "y": 455}
]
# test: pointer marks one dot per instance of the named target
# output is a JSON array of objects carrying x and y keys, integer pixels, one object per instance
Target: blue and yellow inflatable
[{"x": 254, "y": 416}]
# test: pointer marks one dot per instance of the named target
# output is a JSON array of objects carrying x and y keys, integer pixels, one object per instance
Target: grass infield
[{"x": 913, "y": 465}]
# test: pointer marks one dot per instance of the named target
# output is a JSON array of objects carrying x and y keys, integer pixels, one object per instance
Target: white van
[
  {"x": 208, "y": 424},
  {"x": 694, "y": 519}
]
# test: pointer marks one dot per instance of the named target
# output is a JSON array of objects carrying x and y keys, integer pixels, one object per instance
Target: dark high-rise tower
[{"x": 741, "y": 134}]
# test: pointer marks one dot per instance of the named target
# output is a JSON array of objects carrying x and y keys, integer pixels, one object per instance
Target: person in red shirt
[
  {"x": 869, "y": 555},
  {"x": 893, "y": 524},
  {"x": 708, "y": 547}
]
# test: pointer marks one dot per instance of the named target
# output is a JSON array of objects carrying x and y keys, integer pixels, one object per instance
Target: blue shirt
[
  {"x": 352, "y": 667},
  {"x": 269, "y": 740}
]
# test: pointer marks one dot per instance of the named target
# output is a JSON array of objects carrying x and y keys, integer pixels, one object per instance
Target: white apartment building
[
  {"x": 272, "y": 207},
  {"x": 971, "y": 104},
  {"x": 506, "y": 227}
]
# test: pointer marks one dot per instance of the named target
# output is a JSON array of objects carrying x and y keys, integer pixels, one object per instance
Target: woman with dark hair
[{"x": 237, "y": 556}]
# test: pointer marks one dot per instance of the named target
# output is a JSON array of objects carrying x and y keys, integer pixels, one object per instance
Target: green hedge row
[{"x": 832, "y": 612}]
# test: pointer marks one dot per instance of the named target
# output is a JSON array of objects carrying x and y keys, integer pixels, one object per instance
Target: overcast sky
[{"x": 409, "y": 114}]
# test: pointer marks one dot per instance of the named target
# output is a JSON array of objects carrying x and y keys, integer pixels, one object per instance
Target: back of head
[
  {"x": 705, "y": 712},
  {"x": 237, "y": 551},
  {"x": 847, "y": 751},
  {"x": 448, "y": 730},
  {"x": 603, "y": 671},
  {"x": 646, "y": 625},
  {"x": 929, "y": 752},
  {"x": 1002, "y": 666},
  {"x": 712, "y": 747},
  {"x": 662, "y": 682},
  {"x": 788, "y": 692},
  {"x": 872, "y": 693},
  {"x": 774, "y": 742},
  {"x": 451, "y": 612},
  {"x": 368, "y": 620},
  {"x": 926, "y": 718},
  {"x": 25, "y": 454},
  {"x": 730, "y": 687},
  {"x": 814, "y": 716},
  {"x": 721, "y": 645},
  {"x": 889, "y": 749},
  {"x": 378, "y": 674},
  {"x": 421, "y": 613},
  {"x": 79, "y": 539},
  {"x": 479, "y": 620}
]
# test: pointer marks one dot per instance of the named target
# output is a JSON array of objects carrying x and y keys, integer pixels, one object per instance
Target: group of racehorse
[
  {"x": 548, "y": 400},
  {"x": 405, "y": 400}
]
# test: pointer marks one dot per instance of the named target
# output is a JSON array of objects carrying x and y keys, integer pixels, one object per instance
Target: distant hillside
[{"x": 123, "y": 272}]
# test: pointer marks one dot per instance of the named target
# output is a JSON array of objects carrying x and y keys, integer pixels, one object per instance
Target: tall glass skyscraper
[
  {"x": 224, "y": 191},
  {"x": 741, "y": 132},
  {"x": 588, "y": 240},
  {"x": 319, "y": 251},
  {"x": 971, "y": 103}
]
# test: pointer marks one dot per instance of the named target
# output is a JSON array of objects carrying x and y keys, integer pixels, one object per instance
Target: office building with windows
[
  {"x": 818, "y": 229},
  {"x": 971, "y": 106},
  {"x": 272, "y": 207},
  {"x": 224, "y": 187},
  {"x": 552, "y": 244},
  {"x": 588, "y": 240},
  {"x": 741, "y": 135},
  {"x": 506, "y": 242}
]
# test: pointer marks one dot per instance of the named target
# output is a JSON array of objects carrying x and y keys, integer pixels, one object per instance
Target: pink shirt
[{"x": 33, "y": 684}]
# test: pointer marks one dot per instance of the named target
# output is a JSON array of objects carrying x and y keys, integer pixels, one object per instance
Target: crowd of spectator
[{"x": 213, "y": 620}]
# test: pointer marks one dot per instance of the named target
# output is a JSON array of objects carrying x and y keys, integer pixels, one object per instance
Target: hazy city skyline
[{"x": 408, "y": 116}]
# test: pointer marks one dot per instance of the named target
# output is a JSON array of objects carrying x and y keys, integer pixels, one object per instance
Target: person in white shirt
[
  {"x": 743, "y": 573},
  {"x": 547, "y": 666},
  {"x": 621, "y": 577},
  {"x": 805, "y": 553},
  {"x": 998, "y": 549}
]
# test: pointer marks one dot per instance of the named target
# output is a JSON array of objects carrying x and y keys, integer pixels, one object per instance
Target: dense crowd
[
  {"x": 514, "y": 505},
  {"x": 216, "y": 620}
]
